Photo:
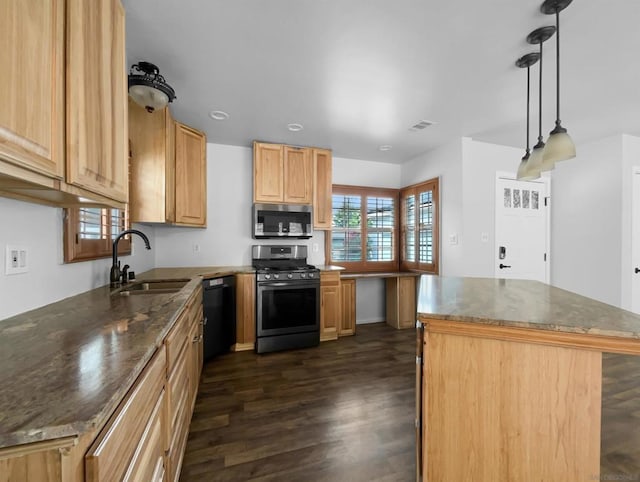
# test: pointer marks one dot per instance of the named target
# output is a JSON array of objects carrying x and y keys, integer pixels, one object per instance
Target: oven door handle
[{"x": 295, "y": 284}]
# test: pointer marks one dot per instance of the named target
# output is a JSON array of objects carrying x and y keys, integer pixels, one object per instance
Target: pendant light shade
[
  {"x": 560, "y": 147},
  {"x": 148, "y": 88},
  {"x": 534, "y": 164},
  {"x": 526, "y": 61}
]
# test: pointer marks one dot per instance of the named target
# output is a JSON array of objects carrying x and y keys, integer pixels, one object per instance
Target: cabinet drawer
[
  {"x": 177, "y": 340},
  {"x": 178, "y": 441},
  {"x": 178, "y": 389},
  {"x": 148, "y": 461},
  {"x": 111, "y": 453},
  {"x": 330, "y": 278}
]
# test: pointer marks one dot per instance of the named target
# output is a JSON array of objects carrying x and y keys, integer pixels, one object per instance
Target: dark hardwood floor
[{"x": 345, "y": 412}]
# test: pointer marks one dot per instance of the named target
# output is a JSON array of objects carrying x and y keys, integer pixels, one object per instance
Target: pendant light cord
[
  {"x": 528, "y": 97},
  {"x": 557, "y": 66},
  {"x": 540, "y": 99}
]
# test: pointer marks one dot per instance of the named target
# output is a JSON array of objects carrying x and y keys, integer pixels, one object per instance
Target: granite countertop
[
  {"x": 66, "y": 366},
  {"x": 521, "y": 304}
]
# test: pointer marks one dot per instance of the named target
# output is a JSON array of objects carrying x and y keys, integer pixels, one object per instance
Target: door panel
[{"x": 521, "y": 230}]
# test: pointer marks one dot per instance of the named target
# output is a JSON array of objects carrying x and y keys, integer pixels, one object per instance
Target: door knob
[
  {"x": 637, "y": 270},
  {"x": 503, "y": 266}
]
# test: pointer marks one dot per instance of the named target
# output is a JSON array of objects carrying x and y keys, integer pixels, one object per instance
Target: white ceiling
[{"x": 358, "y": 73}]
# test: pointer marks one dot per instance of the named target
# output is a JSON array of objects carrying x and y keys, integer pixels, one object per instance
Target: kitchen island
[{"x": 510, "y": 381}]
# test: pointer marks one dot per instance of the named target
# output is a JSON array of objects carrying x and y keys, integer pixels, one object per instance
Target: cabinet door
[
  {"x": 97, "y": 98},
  {"x": 245, "y": 312},
  {"x": 32, "y": 85},
  {"x": 322, "y": 188},
  {"x": 329, "y": 312},
  {"x": 268, "y": 168},
  {"x": 190, "y": 176},
  {"x": 298, "y": 175},
  {"x": 348, "y": 307}
]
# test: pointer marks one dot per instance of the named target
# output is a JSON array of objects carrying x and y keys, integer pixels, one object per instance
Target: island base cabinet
[{"x": 497, "y": 409}]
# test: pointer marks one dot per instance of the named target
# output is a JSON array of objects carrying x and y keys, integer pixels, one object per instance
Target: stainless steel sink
[{"x": 152, "y": 287}]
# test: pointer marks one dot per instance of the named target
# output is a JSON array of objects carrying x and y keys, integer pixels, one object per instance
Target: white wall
[
  {"x": 630, "y": 159},
  {"x": 444, "y": 162},
  {"x": 39, "y": 229},
  {"x": 480, "y": 162},
  {"x": 586, "y": 221}
]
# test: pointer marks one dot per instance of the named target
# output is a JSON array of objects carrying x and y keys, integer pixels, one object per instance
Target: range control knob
[
  {"x": 267, "y": 276},
  {"x": 276, "y": 276},
  {"x": 290, "y": 276},
  {"x": 303, "y": 275},
  {"x": 312, "y": 275}
]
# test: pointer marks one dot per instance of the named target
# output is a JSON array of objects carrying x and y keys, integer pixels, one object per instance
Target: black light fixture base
[
  {"x": 550, "y": 7},
  {"x": 528, "y": 60},
  {"x": 541, "y": 34},
  {"x": 558, "y": 129}
]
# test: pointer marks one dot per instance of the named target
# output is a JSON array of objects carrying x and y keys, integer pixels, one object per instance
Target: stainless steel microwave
[{"x": 282, "y": 221}]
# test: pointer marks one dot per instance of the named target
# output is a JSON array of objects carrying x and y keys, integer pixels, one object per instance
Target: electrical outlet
[
  {"x": 453, "y": 239},
  {"x": 484, "y": 237},
  {"x": 196, "y": 248},
  {"x": 316, "y": 247},
  {"x": 16, "y": 260}
]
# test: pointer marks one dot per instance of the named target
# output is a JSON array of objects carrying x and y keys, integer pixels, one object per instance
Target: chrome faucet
[{"x": 115, "y": 273}]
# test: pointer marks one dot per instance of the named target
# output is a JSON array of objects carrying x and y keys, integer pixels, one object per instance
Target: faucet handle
[{"x": 125, "y": 275}]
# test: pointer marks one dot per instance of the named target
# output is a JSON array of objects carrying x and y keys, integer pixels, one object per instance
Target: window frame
[
  {"x": 365, "y": 266},
  {"x": 432, "y": 185},
  {"x": 77, "y": 249}
]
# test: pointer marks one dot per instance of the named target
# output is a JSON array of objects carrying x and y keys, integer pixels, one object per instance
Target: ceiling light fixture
[
  {"x": 560, "y": 147},
  {"x": 295, "y": 127},
  {"x": 148, "y": 88},
  {"x": 526, "y": 61},
  {"x": 534, "y": 164},
  {"x": 218, "y": 115},
  {"x": 385, "y": 147}
]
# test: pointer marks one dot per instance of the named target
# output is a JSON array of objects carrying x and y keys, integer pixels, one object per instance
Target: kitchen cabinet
[
  {"x": 48, "y": 153},
  {"x": 168, "y": 170},
  {"x": 322, "y": 188},
  {"x": 282, "y": 174},
  {"x": 112, "y": 454},
  {"x": 348, "y": 307},
  {"x": 401, "y": 301},
  {"x": 245, "y": 312},
  {"x": 182, "y": 382},
  {"x": 329, "y": 305}
]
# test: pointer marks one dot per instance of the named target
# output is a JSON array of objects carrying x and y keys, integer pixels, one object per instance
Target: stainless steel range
[{"x": 287, "y": 298}]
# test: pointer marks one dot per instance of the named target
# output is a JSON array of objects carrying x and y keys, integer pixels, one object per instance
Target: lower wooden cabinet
[
  {"x": 329, "y": 305},
  {"x": 245, "y": 312},
  {"x": 347, "y": 307},
  {"x": 111, "y": 456},
  {"x": 401, "y": 301}
]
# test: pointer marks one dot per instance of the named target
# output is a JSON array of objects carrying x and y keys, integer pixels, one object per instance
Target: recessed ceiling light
[
  {"x": 295, "y": 127},
  {"x": 219, "y": 115},
  {"x": 423, "y": 124},
  {"x": 385, "y": 147}
]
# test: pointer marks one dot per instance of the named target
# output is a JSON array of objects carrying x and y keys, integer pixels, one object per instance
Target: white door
[
  {"x": 635, "y": 241},
  {"x": 521, "y": 250}
]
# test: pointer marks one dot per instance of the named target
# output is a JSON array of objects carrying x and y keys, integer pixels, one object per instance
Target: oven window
[{"x": 288, "y": 308}]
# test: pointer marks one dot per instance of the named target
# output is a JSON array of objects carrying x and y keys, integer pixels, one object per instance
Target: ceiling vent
[{"x": 421, "y": 125}]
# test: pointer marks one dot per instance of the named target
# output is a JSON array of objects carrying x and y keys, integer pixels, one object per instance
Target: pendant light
[
  {"x": 534, "y": 164},
  {"x": 148, "y": 88},
  {"x": 560, "y": 147},
  {"x": 526, "y": 61}
]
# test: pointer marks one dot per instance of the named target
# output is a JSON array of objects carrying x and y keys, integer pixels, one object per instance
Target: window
[
  {"x": 419, "y": 226},
  {"x": 363, "y": 229},
  {"x": 89, "y": 233}
]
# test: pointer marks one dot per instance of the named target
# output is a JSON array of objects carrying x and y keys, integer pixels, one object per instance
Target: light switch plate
[
  {"x": 453, "y": 239},
  {"x": 16, "y": 260}
]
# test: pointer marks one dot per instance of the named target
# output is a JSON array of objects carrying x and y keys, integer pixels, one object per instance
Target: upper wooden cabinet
[
  {"x": 168, "y": 170},
  {"x": 282, "y": 174},
  {"x": 298, "y": 175},
  {"x": 63, "y": 53},
  {"x": 322, "y": 188},
  {"x": 294, "y": 175},
  {"x": 32, "y": 85},
  {"x": 97, "y": 97}
]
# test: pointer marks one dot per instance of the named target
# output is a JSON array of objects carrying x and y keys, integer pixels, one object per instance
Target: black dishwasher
[{"x": 219, "y": 306}]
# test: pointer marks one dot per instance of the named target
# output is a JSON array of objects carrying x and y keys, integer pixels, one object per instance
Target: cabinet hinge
[
  {"x": 418, "y": 360},
  {"x": 546, "y": 201},
  {"x": 77, "y": 238},
  {"x": 545, "y": 256}
]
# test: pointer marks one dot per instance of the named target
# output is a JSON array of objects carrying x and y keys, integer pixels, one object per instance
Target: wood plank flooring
[{"x": 344, "y": 411}]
